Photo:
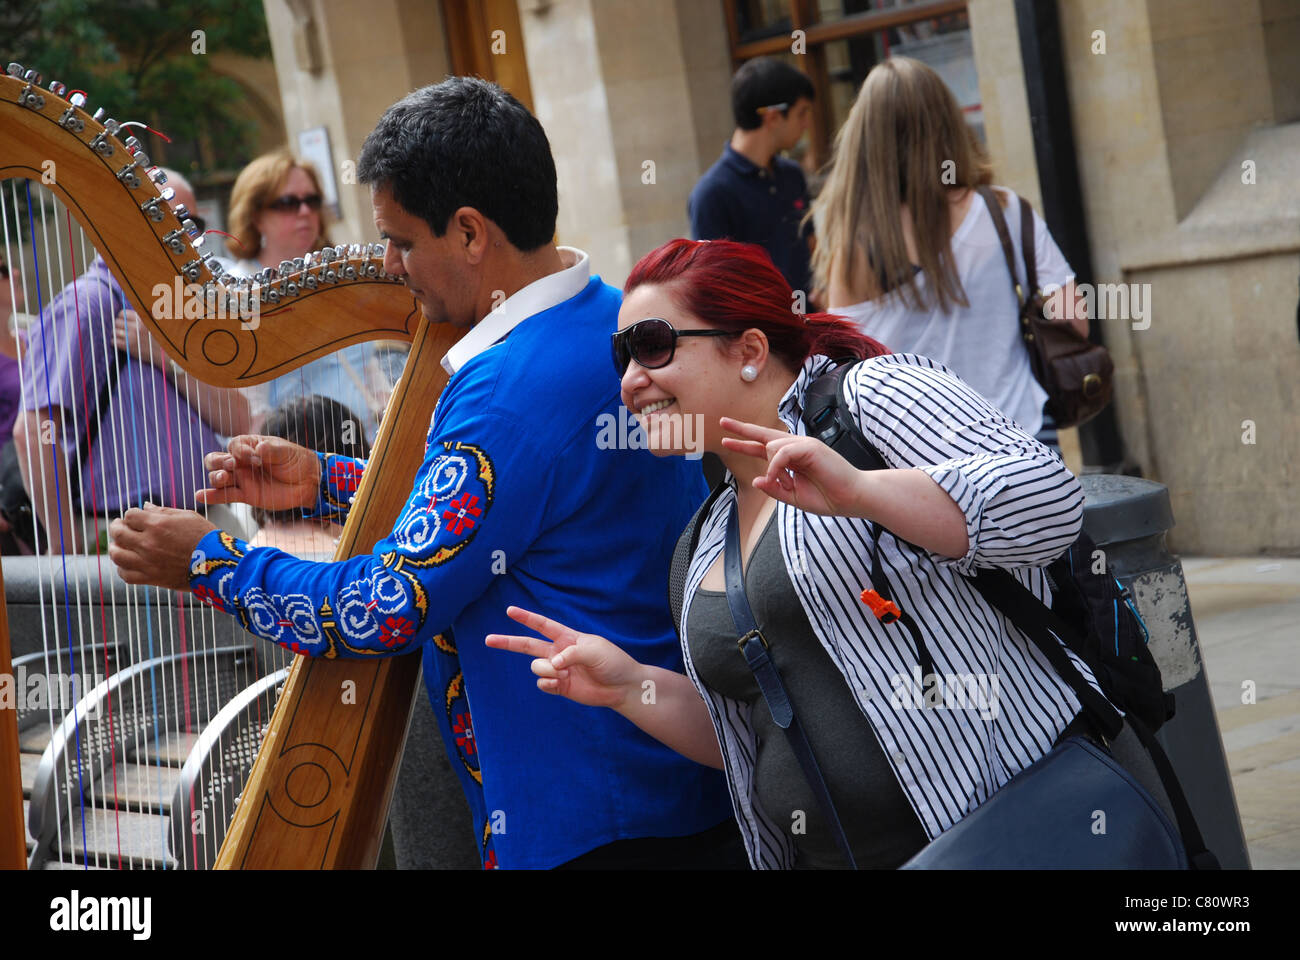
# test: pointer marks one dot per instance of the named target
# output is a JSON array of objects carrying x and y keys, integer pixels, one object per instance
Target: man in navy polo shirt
[
  {"x": 751, "y": 193},
  {"x": 517, "y": 502}
]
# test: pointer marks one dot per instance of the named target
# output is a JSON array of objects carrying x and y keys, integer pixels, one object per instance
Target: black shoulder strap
[
  {"x": 682, "y": 554},
  {"x": 826, "y": 418}
]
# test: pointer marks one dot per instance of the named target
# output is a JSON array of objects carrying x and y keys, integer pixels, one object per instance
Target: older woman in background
[{"x": 277, "y": 213}]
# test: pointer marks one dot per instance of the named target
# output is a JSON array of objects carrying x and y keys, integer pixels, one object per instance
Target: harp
[{"x": 324, "y": 774}]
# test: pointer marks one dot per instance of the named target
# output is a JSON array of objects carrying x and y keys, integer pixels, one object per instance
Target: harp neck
[{"x": 226, "y": 332}]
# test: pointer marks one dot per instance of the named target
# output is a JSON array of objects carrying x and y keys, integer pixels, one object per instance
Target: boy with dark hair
[
  {"x": 516, "y": 503},
  {"x": 751, "y": 193}
]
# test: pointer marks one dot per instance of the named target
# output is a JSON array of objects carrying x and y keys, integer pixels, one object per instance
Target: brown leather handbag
[{"x": 1076, "y": 373}]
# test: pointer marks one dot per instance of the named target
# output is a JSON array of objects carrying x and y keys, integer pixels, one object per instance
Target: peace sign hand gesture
[
  {"x": 801, "y": 471},
  {"x": 583, "y": 667}
]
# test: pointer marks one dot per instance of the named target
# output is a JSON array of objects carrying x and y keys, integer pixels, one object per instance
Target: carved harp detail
[{"x": 321, "y": 785}]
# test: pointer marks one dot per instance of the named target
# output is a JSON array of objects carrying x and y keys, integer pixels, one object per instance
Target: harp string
[
  {"x": 142, "y": 623},
  {"x": 54, "y": 462}
]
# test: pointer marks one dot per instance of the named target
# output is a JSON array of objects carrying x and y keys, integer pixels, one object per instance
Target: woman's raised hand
[
  {"x": 583, "y": 667},
  {"x": 801, "y": 471}
]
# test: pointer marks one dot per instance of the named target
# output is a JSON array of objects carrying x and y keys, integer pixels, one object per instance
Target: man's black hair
[
  {"x": 765, "y": 82},
  {"x": 466, "y": 143}
]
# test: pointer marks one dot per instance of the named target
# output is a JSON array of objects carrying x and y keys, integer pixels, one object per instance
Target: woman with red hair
[{"x": 713, "y": 357}]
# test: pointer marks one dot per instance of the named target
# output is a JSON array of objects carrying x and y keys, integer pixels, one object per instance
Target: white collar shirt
[
  {"x": 542, "y": 294},
  {"x": 1022, "y": 508}
]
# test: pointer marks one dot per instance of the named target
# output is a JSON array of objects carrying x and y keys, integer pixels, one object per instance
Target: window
[{"x": 841, "y": 40}]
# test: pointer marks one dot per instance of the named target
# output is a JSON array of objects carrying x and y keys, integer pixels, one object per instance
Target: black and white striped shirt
[{"x": 1003, "y": 703}]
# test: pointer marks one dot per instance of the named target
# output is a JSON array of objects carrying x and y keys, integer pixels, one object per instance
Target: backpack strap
[{"x": 1031, "y": 616}]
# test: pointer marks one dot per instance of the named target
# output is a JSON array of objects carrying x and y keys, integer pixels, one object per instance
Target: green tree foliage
[{"x": 138, "y": 60}]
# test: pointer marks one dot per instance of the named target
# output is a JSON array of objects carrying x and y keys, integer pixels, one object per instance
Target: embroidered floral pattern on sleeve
[
  {"x": 383, "y": 607},
  {"x": 339, "y": 479}
]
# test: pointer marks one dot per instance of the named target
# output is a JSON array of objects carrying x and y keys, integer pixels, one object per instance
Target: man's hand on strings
[
  {"x": 154, "y": 545},
  {"x": 801, "y": 471},
  {"x": 267, "y": 472},
  {"x": 130, "y": 334}
]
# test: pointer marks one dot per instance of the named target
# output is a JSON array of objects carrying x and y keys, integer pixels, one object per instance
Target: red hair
[{"x": 735, "y": 286}]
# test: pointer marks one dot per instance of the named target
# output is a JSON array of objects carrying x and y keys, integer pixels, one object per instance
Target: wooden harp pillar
[{"x": 320, "y": 787}]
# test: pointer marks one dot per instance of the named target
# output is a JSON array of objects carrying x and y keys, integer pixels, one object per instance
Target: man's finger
[
  {"x": 218, "y": 460},
  {"x": 244, "y": 449},
  {"x": 130, "y": 566},
  {"x": 276, "y": 450},
  {"x": 134, "y": 519},
  {"x": 212, "y": 496}
]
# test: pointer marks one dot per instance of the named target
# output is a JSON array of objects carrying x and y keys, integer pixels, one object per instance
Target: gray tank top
[{"x": 881, "y": 826}]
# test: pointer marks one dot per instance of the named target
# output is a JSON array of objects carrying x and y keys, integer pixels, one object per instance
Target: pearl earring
[{"x": 749, "y": 373}]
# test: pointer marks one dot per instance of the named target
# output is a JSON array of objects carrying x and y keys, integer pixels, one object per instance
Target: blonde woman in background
[
  {"x": 277, "y": 213},
  {"x": 907, "y": 249}
]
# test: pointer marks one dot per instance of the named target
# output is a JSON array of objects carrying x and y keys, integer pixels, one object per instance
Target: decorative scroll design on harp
[{"x": 323, "y": 779}]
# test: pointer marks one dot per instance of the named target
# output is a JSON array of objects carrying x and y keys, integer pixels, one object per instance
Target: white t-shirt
[{"x": 981, "y": 343}]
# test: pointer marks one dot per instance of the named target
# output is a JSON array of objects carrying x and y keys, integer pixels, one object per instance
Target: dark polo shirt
[{"x": 737, "y": 200}]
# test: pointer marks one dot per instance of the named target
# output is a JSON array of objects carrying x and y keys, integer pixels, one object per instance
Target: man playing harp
[{"x": 516, "y": 502}]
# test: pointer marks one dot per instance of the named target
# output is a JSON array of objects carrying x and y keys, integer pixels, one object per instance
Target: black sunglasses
[
  {"x": 652, "y": 343},
  {"x": 289, "y": 203}
]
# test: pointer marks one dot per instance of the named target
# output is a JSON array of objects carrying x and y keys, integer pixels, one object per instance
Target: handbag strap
[
  {"x": 1004, "y": 237},
  {"x": 755, "y": 650},
  {"x": 1027, "y": 244}
]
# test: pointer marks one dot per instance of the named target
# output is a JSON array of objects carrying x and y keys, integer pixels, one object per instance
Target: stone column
[
  {"x": 629, "y": 96},
  {"x": 340, "y": 64}
]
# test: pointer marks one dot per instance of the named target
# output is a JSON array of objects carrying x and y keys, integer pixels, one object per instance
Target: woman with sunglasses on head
[
  {"x": 706, "y": 332},
  {"x": 277, "y": 213}
]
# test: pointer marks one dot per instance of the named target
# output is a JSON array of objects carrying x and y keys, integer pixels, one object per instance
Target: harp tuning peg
[
  {"x": 299, "y": 264},
  {"x": 158, "y": 177},
  {"x": 183, "y": 214},
  {"x": 32, "y": 77},
  {"x": 166, "y": 193},
  {"x": 14, "y": 69},
  {"x": 78, "y": 99},
  {"x": 188, "y": 225},
  {"x": 57, "y": 88},
  {"x": 98, "y": 114},
  {"x": 285, "y": 268}
]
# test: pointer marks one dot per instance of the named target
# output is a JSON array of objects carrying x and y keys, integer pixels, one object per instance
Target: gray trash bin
[{"x": 1128, "y": 518}]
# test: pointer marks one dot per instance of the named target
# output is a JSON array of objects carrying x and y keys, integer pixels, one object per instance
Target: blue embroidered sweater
[{"x": 520, "y": 500}]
